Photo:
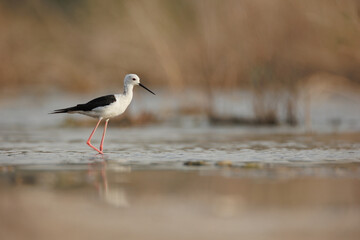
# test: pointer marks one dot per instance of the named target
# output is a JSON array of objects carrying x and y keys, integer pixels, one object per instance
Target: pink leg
[
  {"x": 103, "y": 136},
  {"x": 92, "y": 133}
]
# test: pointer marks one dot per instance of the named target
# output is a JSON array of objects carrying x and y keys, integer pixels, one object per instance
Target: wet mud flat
[{"x": 108, "y": 200}]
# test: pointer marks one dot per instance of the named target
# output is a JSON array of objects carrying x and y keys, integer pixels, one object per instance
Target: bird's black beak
[{"x": 146, "y": 88}]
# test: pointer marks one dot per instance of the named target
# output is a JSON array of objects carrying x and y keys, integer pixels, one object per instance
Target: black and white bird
[{"x": 106, "y": 107}]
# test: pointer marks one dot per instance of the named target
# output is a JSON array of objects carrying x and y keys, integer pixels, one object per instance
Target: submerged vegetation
[{"x": 282, "y": 52}]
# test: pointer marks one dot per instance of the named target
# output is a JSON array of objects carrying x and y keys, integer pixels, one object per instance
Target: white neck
[{"x": 128, "y": 89}]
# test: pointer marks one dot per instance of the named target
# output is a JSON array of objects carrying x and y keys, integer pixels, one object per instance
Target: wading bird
[{"x": 106, "y": 107}]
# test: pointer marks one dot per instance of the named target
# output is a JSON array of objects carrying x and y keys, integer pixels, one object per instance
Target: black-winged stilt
[{"x": 106, "y": 107}]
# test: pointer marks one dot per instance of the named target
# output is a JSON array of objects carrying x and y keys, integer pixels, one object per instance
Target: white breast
[{"x": 112, "y": 110}]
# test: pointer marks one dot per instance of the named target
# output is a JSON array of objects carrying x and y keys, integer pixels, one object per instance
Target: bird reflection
[{"x": 114, "y": 193}]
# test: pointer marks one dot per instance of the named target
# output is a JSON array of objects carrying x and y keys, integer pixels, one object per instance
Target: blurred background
[
  {"x": 252, "y": 62},
  {"x": 254, "y": 131}
]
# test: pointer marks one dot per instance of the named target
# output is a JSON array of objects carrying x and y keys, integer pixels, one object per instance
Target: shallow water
[
  {"x": 174, "y": 146},
  {"x": 159, "y": 182},
  {"x": 171, "y": 182},
  {"x": 110, "y": 201}
]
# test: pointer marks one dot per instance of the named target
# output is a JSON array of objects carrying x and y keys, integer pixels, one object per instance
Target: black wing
[{"x": 97, "y": 102}]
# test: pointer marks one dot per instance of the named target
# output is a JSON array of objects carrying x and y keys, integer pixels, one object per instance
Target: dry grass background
[{"x": 272, "y": 48}]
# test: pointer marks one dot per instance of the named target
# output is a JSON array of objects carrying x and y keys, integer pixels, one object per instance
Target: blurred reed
[{"x": 271, "y": 48}]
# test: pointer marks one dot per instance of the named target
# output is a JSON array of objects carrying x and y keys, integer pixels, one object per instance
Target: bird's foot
[{"x": 99, "y": 151}]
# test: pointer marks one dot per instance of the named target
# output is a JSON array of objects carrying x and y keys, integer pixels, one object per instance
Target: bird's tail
[{"x": 64, "y": 110}]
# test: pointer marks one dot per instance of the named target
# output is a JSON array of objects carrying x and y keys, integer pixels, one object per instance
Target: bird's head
[{"x": 133, "y": 79}]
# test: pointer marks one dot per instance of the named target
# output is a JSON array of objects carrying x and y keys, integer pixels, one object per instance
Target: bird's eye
[{"x": 134, "y": 79}]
